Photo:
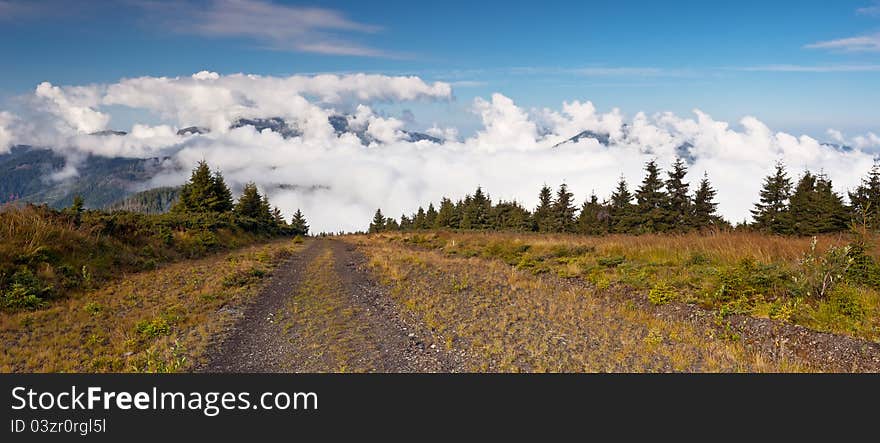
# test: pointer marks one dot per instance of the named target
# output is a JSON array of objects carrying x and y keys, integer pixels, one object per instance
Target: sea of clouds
[{"x": 338, "y": 180}]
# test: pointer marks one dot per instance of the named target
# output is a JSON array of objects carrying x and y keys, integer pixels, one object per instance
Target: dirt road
[{"x": 323, "y": 312}]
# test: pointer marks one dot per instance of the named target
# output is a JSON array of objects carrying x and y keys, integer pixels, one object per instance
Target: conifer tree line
[
  {"x": 664, "y": 202},
  {"x": 206, "y": 192}
]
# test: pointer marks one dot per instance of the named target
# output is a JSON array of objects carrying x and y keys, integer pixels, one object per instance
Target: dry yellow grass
[
  {"x": 509, "y": 320},
  {"x": 155, "y": 321},
  {"x": 695, "y": 268}
]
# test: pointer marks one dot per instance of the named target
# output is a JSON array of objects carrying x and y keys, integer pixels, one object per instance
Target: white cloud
[
  {"x": 281, "y": 27},
  {"x": 811, "y": 69},
  {"x": 339, "y": 182},
  {"x": 862, "y": 43},
  {"x": 873, "y": 10},
  {"x": 6, "y": 137}
]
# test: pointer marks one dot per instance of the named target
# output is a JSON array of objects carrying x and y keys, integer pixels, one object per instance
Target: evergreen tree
[
  {"x": 278, "y": 217},
  {"x": 405, "y": 223},
  {"x": 833, "y": 214},
  {"x": 593, "y": 218},
  {"x": 478, "y": 209},
  {"x": 298, "y": 224},
  {"x": 563, "y": 210},
  {"x": 678, "y": 201},
  {"x": 420, "y": 220},
  {"x": 391, "y": 225},
  {"x": 815, "y": 208},
  {"x": 221, "y": 196},
  {"x": 378, "y": 223},
  {"x": 651, "y": 200},
  {"x": 622, "y": 212},
  {"x": 543, "y": 215},
  {"x": 253, "y": 205},
  {"x": 430, "y": 216},
  {"x": 771, "y": 213},
  {"x": 703, "y": 211},
  {"x": 446, "y": 218},
  {"x": 464, "y": 209},
  {"x": 509, "y": 216},
  {"x": 204, "y": 192},
  {"x": 865, "y": 199}
]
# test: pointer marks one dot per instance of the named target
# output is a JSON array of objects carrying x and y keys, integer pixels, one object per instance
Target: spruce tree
[
  {"x": 298, "y": 224},
  {"x": 865, "y": 199},
  {"x": 563, "y": 210},
  {"x": 253, "y": 205},
  {"x": 592, "y": 219},
  {"x": 430, "y": 216},
  {"x": 278, "y": 217},
  {"x": 378, "y": 223},
  {"x": 543, "y": 215},
  {"x": 651, "y": 200},
  {"x": 833, "y": 215},
  {"x": 420, "y": 220},
  {"x": 478, "y": 210},
  {"x": 204, "y": 192},
  {"x": 678, "y": 201},
  {"x": 621, "y": 210},
  {"x": 703, "y": 211},
  {"x": 446, "y": 215},
  {"x": 405, "y": 223},
  {"x": 771, "y": 212}
]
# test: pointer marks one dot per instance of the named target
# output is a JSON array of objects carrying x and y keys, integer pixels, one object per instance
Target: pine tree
[
  {"x": 430, "y": 216},
  {"x": 678, "y": 201},
  {"x": 543, "y": 215},
  {"x": 478, "y": 210},
  {"x": 378, "y": 223},
  {"x": 622, "y": 212},
  {"x": 406, "y": 223},
  {"x": 253, "y": 205},
  {"x": 563, "y": 210},
  {"x": 298, "y": 224},
  {"x": 865, "y": 199},
  {"x": 771, "y": 213},
  {"x": 420, "y": 220},
  {"x": 204, "y": 192},
  {"x": 833, "y": 215},
  {"x": 509, "y": 216},
  {"x": 221, "y": 196},
  {"x": 391, "y": 225},
  {"x": 651, "y": 200},
  {"x": 278, "y": 217},
  {"x": 446, "y": 218},
  {"x": 593, "y": 218},
  {"x": 703, "y": 211}
]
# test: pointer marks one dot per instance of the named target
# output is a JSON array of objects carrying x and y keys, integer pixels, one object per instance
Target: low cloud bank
[{"x": 339, "y": 175}]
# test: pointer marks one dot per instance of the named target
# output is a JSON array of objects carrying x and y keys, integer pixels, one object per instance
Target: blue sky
[{"x": 801, "y": 67}]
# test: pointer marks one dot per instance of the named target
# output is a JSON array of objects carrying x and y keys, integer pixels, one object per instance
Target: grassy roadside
[
  {"x": 730, "y": 273},
  {"x": 502, "y": 319},
  {"x": 160, "y": 320}
]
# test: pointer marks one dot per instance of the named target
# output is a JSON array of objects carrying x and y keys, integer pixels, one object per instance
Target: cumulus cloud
[
  {"x": 339, "y": 178},
  {"x": 5, "y": 131}
]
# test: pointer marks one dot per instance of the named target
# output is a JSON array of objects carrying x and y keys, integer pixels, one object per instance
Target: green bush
[
  {"x": 661, "y": 294},
  {"x": 23, "y": 290},
  {"x": 611, "y": 261},
  {"x": 154, "y": 328},
  {"x": 819, "y": 274}
]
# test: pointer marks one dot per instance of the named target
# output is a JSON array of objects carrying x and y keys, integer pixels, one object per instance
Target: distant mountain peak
[
  {"x": 604, "y": 139},
  {"x": 108, "y": 132},
  {"x": 193, "y": 130}
]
